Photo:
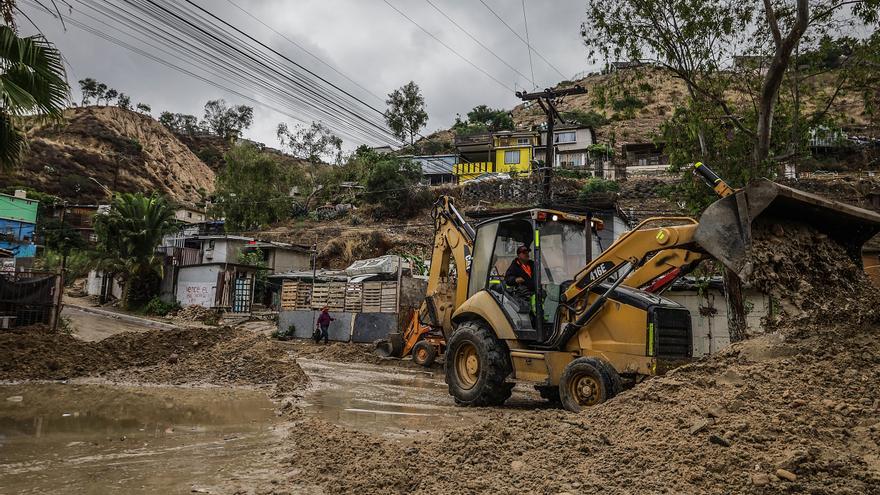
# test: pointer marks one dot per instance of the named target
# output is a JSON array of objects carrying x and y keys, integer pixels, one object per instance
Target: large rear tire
[
  {"x": 477, "y": 365},
  {"x": 584, "y": 383}
]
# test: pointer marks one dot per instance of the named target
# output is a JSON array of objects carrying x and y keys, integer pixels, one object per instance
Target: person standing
[{"x": 324, "y": 320}]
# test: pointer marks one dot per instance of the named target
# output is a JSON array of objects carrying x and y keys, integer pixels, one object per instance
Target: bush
[
  {"x": 392, "y": 185},
  {"x": 589, "y": 119},
  {"x": 158, "y": 307},
  {"x": 597, "y": 185},
  {"x": 627, "y": 104},
  {"x": 78, "y": 264}
]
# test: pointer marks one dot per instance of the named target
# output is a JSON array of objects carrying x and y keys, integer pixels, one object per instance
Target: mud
[
  {"x": 101, "y": 439},
  {"x": 194, "y": 355}
]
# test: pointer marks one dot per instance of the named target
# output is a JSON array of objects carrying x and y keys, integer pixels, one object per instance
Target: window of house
[
  {"x": 524, "y": 141},
  {"x": 511, "y": 157},
  {"x": 189, "y": 214},
  {"x": 566, "y": 137}
]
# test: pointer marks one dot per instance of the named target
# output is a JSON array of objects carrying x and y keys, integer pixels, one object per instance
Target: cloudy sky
[{"x": 367, "y": 40}]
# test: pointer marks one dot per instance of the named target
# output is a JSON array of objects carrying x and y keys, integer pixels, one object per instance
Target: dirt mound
[
  {"x": 337, "y": 351},
  {"x": 242, "y": 358},
  {"x": 218, "y": 355},
  {"x": 124, "y": 150}
]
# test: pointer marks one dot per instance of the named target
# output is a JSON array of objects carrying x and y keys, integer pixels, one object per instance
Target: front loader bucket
[{"x": 725, "y": 229}]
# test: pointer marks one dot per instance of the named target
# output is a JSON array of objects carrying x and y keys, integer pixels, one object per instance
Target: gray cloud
[{"x": 365, "y": 39}]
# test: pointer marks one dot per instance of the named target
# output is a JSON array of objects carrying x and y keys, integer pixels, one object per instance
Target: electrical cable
[
  {"x": 466, "y": 32},
  {"x": 521, "y": 38},
  {"x": 459, "y": 55}
]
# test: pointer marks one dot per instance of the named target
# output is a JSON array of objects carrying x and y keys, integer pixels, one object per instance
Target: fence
[
  {"x": 357, "y": 297},
  {"x": 29, "y": 298},
  {"x": 525, "y": 191}
]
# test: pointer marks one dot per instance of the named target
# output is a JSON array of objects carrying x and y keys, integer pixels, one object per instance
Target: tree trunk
[
  {"x": 736, "y": 310},
  {"x": 775, "y": 73},
  {"x": 701, "y": 134}
]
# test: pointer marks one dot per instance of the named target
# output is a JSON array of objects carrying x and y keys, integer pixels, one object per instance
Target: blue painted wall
[{"x": 18, "y": 237}]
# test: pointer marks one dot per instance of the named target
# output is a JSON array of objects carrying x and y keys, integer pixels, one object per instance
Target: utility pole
[{"x": 547, "y": 99}]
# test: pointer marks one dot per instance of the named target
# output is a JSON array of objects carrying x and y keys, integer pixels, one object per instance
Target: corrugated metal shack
[{"x": 368, "y": 299}]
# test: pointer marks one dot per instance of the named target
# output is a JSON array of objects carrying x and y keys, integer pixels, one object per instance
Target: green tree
[
  {"x": 179, "y": 123},
  {"x": 225, "y": 121},
  {"x": 32, "y": 82},
  {"x": 315, "y": 144},
  {"x": 88, "y": 87},
  {"x": 406, "y": 114},
  {"x": 110, "y": 95},
  {"x": 493, "y": 120},
  {"x": 391, "y": 185},
  {"x": 128, "y": 236},
  {"x": 253, "y": 190},
  {"x": 144, "y": 108},
  {"x": 123, "y": 101}
]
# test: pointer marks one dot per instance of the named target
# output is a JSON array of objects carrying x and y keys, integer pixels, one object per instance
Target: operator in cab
[{"x": 520, "y": 274}]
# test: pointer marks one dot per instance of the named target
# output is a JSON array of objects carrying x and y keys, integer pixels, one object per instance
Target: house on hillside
[
  {"x": 80, "y": 218},
  {"x": 18, "y": 221},
  {"x": 500, "y": 152},
  {"x": 645, "y": 158},
  {"x": 436, "y": 169},
  {"x": 572, "y": 144},
  {"x": 190, "y": 214}
]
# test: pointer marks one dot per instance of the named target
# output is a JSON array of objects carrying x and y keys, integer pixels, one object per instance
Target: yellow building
[{"x": 502, "y": 152}]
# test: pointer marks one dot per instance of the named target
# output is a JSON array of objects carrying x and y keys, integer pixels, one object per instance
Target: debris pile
[
  {"x": 196, "y": 313},
  {"x": 193, "y": 355}
]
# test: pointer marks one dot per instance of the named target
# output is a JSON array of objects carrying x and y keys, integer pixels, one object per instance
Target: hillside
[
  {"x": 121, "y": 149},
  {"x": 656, "y": 94}
]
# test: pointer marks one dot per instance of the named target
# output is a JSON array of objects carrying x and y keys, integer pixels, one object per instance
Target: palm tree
[
  {"x": 128, "y": 236},
  {"x": 32, "y": 82}
]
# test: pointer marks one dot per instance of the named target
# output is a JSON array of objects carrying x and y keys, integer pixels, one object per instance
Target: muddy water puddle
[
  {"x": 396, "y": 403},
  {"x": 65, "y": 438}
]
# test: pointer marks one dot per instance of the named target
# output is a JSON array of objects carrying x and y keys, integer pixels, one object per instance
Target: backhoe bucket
[{"x": 725, "y": 229}]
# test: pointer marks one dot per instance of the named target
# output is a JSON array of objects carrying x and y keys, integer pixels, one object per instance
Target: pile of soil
[
  {"x": 337, "y": 351},
  {"x": 195, "y": 313},
  {"x": 795, "y": 410},
  {"x": 217, "y": 355}
]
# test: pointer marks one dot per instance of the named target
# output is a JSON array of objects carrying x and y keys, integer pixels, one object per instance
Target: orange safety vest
[{"x": 526, "y": 268}]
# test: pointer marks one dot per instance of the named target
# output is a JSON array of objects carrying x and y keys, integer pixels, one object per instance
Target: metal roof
[{"x": 436, "y": 164}]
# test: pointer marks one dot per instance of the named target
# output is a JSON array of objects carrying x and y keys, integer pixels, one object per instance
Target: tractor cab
[{"x": 559, "y": 246}]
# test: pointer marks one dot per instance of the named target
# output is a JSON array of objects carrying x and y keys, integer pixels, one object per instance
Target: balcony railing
[{"x": 181, "y": 256}]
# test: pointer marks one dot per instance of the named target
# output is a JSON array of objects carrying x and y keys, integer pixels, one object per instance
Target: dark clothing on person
[
  {"x": 324, "y": 320},
  {"x": 521, "y": 269}
]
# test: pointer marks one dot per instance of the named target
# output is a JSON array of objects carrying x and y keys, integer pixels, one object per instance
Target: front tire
[
  {"x": 584, "y": 383},
  {"x": 424, "y": 353},
  {"x": 477, "y": 365}
]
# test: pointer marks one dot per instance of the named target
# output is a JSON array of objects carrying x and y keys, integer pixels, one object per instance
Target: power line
[
  {"x": 319, "y": 59},
  {"x": 465, "y": 31},
  {"x": 347, "y": 131},
  {"x": 528, "y": 42},
  {"x": 438, "y": 40},
  {"x": 521, "y": 38},
  {"x": 205, "y": 45}
]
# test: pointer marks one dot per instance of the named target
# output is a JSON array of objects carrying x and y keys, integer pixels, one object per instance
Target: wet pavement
[
  {"x": 63, "y": 438},
  {"x": 392, "y": 402}
]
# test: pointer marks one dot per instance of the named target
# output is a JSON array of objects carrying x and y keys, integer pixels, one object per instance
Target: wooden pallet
[
  {"x": 354, "y": 298},
  {"x": 320, "y": 293},
  {"x": 389, "y": 297},
  {"x": 289, "y": 290},
  {"x": 372, "y": 297},
  {"x": 336, "y": 296}
]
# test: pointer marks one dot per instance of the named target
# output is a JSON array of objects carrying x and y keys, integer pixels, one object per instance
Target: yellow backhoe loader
[
  {"x": 423, "y": 336},
  {"x": 588, "y": 323}
]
